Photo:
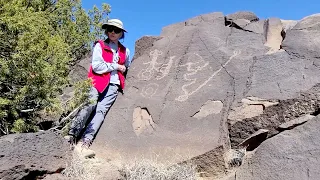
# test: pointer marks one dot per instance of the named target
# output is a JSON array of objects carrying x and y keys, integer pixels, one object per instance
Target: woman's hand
[{"x": 122, "y": 68}]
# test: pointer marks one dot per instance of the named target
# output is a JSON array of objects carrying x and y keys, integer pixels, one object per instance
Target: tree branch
[
  {"x": 27, "y": 110},
  {"x": 70, "y": 116},
  {"x": 3, "y": 131}
]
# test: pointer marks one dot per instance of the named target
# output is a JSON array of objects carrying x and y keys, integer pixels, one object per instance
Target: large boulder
[
  {"x": 284, "y": 112},
  {"x": 247, "y": 15},
  {"x": 288, "y": 78},
  {"x": 290, "y": 155},
  {"x": 303, "y": 40},
  {"x": 206, "y": 86},
  {"x": 32, "y": 155},
  {"x": 179, "y": 93},
  {"x": 171, "y": 104},
  {"x": 274, "y": 29}
]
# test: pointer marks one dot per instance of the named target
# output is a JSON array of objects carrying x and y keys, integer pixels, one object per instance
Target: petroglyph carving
[
  {"x": 195, "y": 65},
  {"x": 219, "y": 42},
  {"x": 164, "y": 69},
  {"x": 161, "y": 69},
  {"x": 194, "y": 68},
  {"x": 149, "y": 90}
]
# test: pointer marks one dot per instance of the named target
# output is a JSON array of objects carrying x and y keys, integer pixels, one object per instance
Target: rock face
[
  {"x": 250, "y": 16},
  {"x": 28, "y": 156},
  {"x": 207, "y": 84},
  {"x": 293, "y": 154},
  {"x": 273, "y": 116},
  {"x": 289, "y": 77},
  {"x": 274, "y": 30},
  {"x": 175, "y": 84},
  {"x": 296, "y": 122},
  {"x": 196, "y": 94},
  {"x": 144, "y": 44},
  {"x": 304, "y": 37}
]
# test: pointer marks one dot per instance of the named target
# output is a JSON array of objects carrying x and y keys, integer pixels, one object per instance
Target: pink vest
[{"x": 101, "y": 81}]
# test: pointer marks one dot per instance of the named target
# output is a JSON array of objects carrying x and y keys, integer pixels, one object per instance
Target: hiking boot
[
  {"x": 82, "y": 148},
  {"x": 70, "y": 139}
]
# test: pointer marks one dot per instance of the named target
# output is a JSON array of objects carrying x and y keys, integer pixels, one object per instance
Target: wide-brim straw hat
[{"x": 114, "y": 22}]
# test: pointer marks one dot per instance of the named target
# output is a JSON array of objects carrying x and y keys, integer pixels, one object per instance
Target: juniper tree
[{"x": 39, "y": 42}]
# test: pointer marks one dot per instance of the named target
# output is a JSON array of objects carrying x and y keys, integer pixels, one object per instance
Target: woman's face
[{"x": 114, "y": 33}]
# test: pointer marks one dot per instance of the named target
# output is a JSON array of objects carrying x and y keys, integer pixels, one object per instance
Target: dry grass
[
  {"x": 143, "y": 169},
  {"x": 151, "y": 170},
  {"x": 81, "y": 168},
  {"x": 234, "y": 157}
]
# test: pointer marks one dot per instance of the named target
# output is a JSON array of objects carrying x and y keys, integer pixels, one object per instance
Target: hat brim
[{"x": 104, "y": 26}]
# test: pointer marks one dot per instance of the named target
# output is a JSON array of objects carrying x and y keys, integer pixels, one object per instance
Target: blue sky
[{"x": 147, "y": 17}]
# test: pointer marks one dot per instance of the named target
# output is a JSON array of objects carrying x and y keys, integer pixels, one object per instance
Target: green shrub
[{"x": 40, "y": 40}]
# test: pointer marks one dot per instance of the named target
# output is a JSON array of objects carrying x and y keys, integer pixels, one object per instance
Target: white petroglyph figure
[
  {"x": 195, "y": 70},
  {"x": 154, "y": 68},
  {"x": 195, "y": 66},
  {"x": 149, "y": 90},
  {"x": 165, "y": 69}
]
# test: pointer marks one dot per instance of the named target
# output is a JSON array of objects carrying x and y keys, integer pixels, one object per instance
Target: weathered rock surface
[
  {"x": 170, "y": 83},
  {"x": 273, "y": 116},
  {"x": 286, "y": 76},
  {"x": 258, "y": 27},
  {"x": 242, "y": 22},
  {"x": 211, "y": 81},
  {"x": 243, "y": 15},
  {"x": 304, "y": 37},
  {"x": 290, "y": 155},
  {"x": 204, "y": 84},
  {"x": 143, "y": 45},
  {"x": 295, "y": 122},
  {"x": 251, "y": 107},
  {"x": 274, "y": 29},
  {"x": 288, "y": 24},
  {"x": 32, "y": 155}
]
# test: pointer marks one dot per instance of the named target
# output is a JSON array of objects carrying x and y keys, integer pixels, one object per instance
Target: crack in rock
[
  {"x": 177, "y": 71},
  {"x": 249, "y": 79},
  {"x": 278, "y": 84}
]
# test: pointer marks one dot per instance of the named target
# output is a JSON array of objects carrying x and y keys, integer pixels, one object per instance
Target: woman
[{"x": 110, "y": 60}]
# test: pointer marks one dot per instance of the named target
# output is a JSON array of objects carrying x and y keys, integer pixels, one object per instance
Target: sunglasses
[{"x": 115, "y": 29}]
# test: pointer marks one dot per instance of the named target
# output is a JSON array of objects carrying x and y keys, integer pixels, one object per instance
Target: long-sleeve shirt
[{"x": 99, "y": 66}]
